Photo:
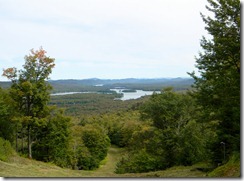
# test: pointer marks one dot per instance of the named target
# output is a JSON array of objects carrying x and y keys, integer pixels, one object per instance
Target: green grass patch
[
  {"x": 24, "y": 167},
  {"x": 230, "y": 169},
  {"x": 173, "y": 172}
]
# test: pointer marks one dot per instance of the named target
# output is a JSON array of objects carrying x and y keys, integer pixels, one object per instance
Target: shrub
[
  {"x": 6, "y": 151},
  {"x": 93, "y": 147},
  {"x": 139, "y": 162}
]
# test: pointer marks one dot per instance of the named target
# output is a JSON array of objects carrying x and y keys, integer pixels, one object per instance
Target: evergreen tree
[{"x": 217, "y": 89}]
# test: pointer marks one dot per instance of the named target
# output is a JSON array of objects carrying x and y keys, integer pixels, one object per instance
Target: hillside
[
  {"x": 96, "y": 81},
  {"x": 130, "y": 83},
  {"x": 94, "y": 84},
  {"x": 23, "y": 167}
]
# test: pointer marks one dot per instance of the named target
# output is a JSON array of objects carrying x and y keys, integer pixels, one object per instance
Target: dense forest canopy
[{"x": 168, "y": 128}]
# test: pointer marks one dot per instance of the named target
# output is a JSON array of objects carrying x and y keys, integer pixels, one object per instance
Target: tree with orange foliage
[{"x": 31, "y": 91}]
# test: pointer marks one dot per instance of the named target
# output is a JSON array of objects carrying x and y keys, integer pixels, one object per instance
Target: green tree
[
  {"x": 94, "y": 147},
  {"x": 53, "y": 136},
  {"x": 7, "y": 112},
  {"x": 30, "y": 90},
  {"x": 168, "y": 110},
  {"x": 218, "y": 86},
  {"x": 170, "y": 140}
]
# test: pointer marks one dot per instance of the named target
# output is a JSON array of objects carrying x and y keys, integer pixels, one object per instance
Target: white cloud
[{"x": 136, "y": 35}]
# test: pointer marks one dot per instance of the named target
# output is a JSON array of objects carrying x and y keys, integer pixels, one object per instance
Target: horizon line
[{"x": 95, "y": 78}]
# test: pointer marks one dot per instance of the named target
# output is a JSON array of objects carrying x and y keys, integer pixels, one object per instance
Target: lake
[
  {"x": 126, "y": 95},
  {"x": 132, "y": 95},
  {"x": 68, "y": 93}
]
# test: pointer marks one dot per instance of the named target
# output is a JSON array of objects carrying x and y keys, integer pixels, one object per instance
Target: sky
[{"x": 104, "y": 38}]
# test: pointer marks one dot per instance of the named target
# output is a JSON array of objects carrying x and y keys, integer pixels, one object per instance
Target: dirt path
[{"x": 107, "y": 170}]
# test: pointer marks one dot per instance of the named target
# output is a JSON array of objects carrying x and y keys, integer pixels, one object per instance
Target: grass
[
  {"x": 173, "y": 172},
  {"x": 23, "y": 167},
  {"x": 230, "y": 169}
]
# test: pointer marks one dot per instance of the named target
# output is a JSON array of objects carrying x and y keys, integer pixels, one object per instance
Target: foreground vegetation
[
  {"x": 23, "y": 167},
  {"x": 169, "y": 134},
  {"x": 17, "y": 166}
]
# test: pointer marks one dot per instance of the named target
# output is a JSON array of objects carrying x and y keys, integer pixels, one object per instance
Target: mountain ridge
[
  {"x": 92, "y": 81},
  {"x": 96, "y": 84}
]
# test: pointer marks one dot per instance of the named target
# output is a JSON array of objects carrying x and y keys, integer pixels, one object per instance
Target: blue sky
[{"x": 104, "y": 38}]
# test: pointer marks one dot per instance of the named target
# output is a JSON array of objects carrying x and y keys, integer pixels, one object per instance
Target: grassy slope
[
  {"x": 231, "y": 169},
  {"x": 22, "y": 167}
]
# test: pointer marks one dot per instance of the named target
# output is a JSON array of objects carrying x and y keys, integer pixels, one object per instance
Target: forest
[{"x": 197, "y": 122}]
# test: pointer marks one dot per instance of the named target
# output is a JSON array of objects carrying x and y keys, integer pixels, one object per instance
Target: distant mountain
[
  {"x": 5, "y": 84},
  {"x": 95, "y": 84},
  {"x": 95, "y": 81}
]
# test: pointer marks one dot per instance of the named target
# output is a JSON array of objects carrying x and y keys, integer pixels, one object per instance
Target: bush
[
  {"x": 86, "y": 160},
  {"x": 93, "y": 148},
  {"x": 139, "y": 162},
  {"x": 6, "y": 151}
]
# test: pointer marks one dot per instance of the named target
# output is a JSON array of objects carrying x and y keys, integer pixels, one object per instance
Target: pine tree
[{"x": 218, "y": 86}]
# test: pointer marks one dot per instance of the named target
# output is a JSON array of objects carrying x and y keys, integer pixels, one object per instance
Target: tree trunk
[
  {"x": 22, "y": 139},
  {"x": 17, "y": 141},
  {"x": 29, "y": 142}
]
